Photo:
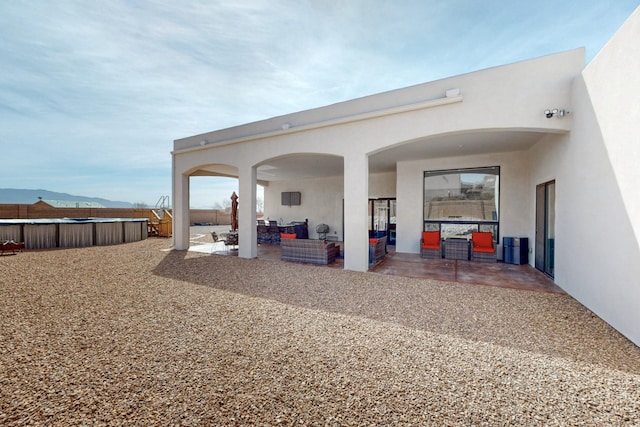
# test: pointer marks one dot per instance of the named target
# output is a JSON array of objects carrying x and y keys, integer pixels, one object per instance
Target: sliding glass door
[{"x": 545, "y": 227}]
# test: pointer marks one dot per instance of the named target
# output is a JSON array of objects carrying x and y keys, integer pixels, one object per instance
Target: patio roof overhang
[{"x": 306, "y": 165}]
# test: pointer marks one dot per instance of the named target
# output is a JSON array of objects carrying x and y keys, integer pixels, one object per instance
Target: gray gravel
[{"x": 134, "y": 334}]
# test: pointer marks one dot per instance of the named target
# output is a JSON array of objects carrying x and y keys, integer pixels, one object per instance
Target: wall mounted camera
[{"x": 555, "y": 112}]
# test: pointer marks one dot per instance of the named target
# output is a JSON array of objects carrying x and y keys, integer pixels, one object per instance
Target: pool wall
[{"x": 73, "y": 232}]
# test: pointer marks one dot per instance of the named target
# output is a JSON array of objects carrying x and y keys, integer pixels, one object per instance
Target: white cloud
[{"x": 93, "y": 93}]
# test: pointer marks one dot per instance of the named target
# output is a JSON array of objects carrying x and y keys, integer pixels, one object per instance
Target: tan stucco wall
[
  {"x": 321, "y": 203},
  {"x": 596, "y": 172},
  {"x": 515, "y": 205},
  {"x": 322, "y": 200}
]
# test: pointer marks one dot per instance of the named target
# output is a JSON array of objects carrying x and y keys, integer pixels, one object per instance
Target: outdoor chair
[
  {"x": 263, "y": 232},
  {"x": 10, "y": 245},
  {"x": 430, "y": 246},
  {"x": 273, "y": 232},
  {"x": 231, "y": 240},
  {"x": 217, "y": 239},
  {"x": 482, "y": 247}
]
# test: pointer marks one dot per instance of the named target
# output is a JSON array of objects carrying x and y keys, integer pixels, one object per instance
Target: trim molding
[{"x": 431, "y": 103}]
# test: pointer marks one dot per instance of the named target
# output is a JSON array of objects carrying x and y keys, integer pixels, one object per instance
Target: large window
[{"x": 459, "y": 201}]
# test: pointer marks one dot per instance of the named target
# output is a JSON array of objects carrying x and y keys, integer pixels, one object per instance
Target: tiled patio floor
[
  {"x": 478, "y": 273},
  {"x": 499, "y": 274}
]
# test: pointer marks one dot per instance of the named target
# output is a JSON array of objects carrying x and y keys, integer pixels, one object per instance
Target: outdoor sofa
[{"x": 308, "y": 250}]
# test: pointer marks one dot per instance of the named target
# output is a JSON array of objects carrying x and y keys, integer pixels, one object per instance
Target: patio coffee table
[{"x": 456, "y": 248}]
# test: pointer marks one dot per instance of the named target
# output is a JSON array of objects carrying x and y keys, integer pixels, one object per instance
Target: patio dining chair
[
  {"x": 263, "y": 232},
  {"x": 273, "y": 232},
  {"x": 232, "y": 240}
]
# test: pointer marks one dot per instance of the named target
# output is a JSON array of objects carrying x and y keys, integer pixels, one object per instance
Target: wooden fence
[{"x": 20, "y": 211}]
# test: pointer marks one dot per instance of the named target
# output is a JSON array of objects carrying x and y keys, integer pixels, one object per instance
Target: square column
[
  {"x": 356, "y": 207},
  {"x": 180, "y": 211},
  {"x": 248, "y": 234}
]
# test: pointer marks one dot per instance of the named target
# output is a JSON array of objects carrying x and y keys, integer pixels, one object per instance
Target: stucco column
[
  {"x": 180, "y": 211},
  {"x": 247, "y": 213},
  {"x": 356, "y": 202}
]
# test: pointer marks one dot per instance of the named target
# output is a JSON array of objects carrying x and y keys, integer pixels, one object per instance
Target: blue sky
[{"x": 93, "y": 93}]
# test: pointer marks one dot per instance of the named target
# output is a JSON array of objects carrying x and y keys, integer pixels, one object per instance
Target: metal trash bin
[{"x": 515, "y": 250}]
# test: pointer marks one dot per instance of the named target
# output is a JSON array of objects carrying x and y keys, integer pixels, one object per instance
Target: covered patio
[{"x": 523, "y": 277}]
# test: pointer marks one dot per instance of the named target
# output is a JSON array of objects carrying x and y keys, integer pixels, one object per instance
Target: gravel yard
[{"x": 138, "y": 335}]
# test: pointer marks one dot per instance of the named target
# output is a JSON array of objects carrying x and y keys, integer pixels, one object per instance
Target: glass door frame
[{"x": 390, "y": 207}]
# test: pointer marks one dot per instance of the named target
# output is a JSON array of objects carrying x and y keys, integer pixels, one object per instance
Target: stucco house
[{"x": 550, "y": 146}]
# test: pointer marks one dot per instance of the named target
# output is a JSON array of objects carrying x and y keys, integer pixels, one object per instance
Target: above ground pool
[{"x": 73, "y": 232}]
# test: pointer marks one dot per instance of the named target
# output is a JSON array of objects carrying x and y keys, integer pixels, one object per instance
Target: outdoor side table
[{"x": 456, "y": 249}]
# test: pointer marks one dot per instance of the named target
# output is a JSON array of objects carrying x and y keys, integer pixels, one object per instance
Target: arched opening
[{"x": 317, "y": 183}]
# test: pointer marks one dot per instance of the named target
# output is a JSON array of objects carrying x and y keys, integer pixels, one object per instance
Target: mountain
[{"x": 28, "y": 197}]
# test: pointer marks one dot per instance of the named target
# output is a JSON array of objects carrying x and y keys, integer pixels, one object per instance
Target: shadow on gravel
[{"x": 550, "y": 324}]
